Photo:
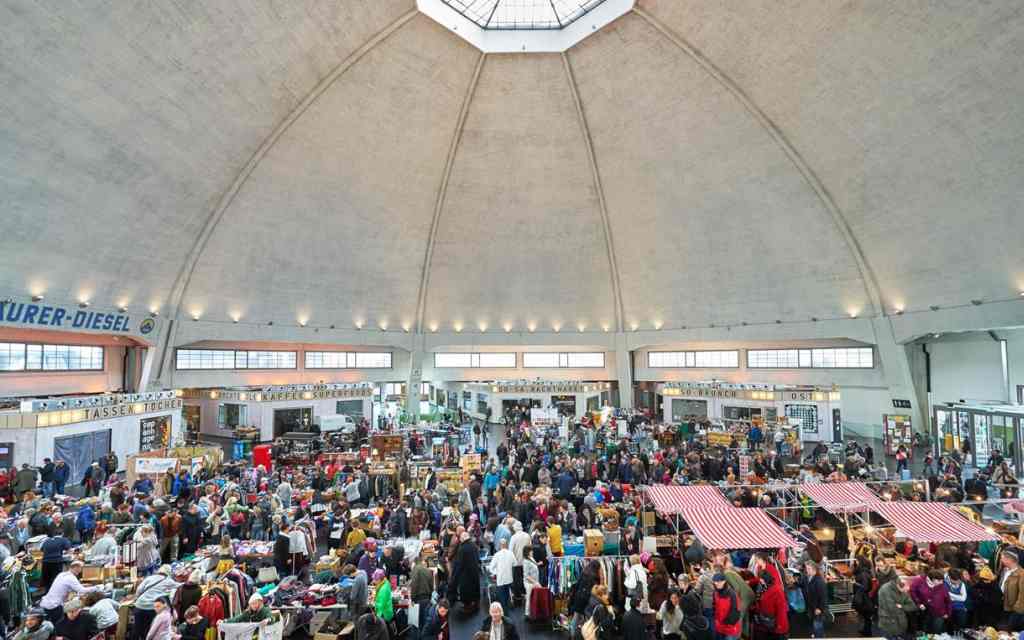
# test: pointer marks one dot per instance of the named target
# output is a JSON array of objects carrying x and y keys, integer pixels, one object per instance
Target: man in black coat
[
  {"x": 633, "y": 625},
  {"x": 191, "y": 530},
  {"x": 465, "y": 581},
  {"x": 497, "y": 617}
]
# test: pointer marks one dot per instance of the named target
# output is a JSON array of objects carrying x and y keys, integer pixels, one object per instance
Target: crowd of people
[{"x": 496, "y": 536}]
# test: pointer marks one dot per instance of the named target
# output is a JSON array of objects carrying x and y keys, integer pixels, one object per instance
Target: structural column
[
  {"x": 624, "y": 370},
  {"x": 412, "y": 387},
  {"x": 898, "y": 378}
]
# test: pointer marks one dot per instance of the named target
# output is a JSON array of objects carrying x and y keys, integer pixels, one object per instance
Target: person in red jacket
[
  {"x": 726, "y": 607},
  {"x": 770, "y": 613}
]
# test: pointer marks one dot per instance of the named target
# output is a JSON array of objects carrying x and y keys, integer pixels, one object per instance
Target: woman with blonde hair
[{"x": 600, "y": 613}]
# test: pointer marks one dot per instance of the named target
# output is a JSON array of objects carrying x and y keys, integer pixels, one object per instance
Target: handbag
[
  {"x": 589, "y": 629},
  {"x": 267, "y": 574}
]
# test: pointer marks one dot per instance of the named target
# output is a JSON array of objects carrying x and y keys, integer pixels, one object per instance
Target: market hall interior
[{"x": 650, "y": 291}]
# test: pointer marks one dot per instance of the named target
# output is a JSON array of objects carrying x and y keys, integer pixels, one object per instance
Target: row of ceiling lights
[{"x": 84, "y": 302}]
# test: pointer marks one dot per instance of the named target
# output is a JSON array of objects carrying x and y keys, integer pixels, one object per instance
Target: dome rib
[
  {"x": 810, "y": 177},
  {"x": 613, "y": 267},
  {"x": 184, "y": 277},
  {"x": 442, "y": 193}
]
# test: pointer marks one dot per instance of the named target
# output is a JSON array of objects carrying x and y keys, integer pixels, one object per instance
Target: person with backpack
[{"x": 726, "y": 609}]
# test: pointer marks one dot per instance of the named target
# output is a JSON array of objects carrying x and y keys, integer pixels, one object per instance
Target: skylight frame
[{"x": 537, "y": 39}]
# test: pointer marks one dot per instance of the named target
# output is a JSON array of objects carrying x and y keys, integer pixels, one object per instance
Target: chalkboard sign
[{"x": 154, "y": 433}]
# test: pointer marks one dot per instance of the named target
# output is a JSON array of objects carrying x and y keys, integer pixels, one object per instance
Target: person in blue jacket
[
  {"x": 60, "y": 476},
  {"x": 85, "y": 522}
]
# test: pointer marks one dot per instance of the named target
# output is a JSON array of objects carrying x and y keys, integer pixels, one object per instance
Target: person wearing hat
[
  {"x": 158, "y": 585},
  {"x": 77, "y": 624},
  {"x": 726, "y": 609},
  {"x": 63, "y": 585},
  {"x": 358, "y": 592},
  {"x": 257, "y": 611},
  {"x": 1011, "y": 583},
  {"x": 36, "y": 626},
  {"x": 190, "y": 593},
  {"x": 383, "y": 604}
]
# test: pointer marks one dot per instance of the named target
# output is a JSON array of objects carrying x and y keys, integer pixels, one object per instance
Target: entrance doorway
[{"x": 298, "y": 419}]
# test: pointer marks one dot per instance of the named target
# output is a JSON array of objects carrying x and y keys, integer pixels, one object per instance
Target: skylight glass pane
[{"x": 523, "y": 14}]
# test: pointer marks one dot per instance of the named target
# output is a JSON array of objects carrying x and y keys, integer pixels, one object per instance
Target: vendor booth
[
  {"x": 265, "y": 413},
  {"x": 989, "y": 427}
]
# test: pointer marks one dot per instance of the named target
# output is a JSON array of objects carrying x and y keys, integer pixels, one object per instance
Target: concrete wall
[{"x": 32, "y": 445}]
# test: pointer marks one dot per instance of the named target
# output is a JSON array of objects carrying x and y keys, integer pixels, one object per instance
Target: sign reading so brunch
[{"x": 30, "y": 314}]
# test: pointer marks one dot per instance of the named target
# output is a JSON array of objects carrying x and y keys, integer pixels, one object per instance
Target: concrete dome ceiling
[{"x": 348, "y": 162}]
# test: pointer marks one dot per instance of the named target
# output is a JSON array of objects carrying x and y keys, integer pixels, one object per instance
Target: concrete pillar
[
  {"x": 412, "y": 387},
  {"x": 148, "y": 368},
  {"x": 624, "y": 371},
  {"x": 897, "y": 370}
]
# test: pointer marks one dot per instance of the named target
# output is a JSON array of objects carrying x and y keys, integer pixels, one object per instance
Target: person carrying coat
[{"x": 894, "y": 602}]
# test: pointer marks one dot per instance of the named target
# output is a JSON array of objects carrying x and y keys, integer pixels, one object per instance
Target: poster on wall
[
  {"x": 808, "y": 416},
  {"x": 155, "y": 465},
  {"x": 154, "y": 433}
]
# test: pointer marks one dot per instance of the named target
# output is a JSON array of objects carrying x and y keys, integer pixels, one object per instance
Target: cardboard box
[
  {"x": 93, "y": 574},
  {"x": 593, "y": 542}
]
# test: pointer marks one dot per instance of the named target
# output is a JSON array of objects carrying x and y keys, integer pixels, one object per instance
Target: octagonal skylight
[
  {"x": 505, "y": 26},
  {"x": 523, "y": 14}
]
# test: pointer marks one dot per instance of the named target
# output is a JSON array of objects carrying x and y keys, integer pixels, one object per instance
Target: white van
[{"x": 339, "y": 422}]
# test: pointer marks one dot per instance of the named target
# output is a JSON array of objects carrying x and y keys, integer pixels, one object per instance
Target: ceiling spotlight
[
  {"x": 37, "y": 298},
  {"x": 976, "y": 303},
  {"x": 302, "y": 323},
  {"x": 1022, "y": 292},
  {"x": 581, "y": 327},
  {"x": 712, "y": 326},
  {"x": 359, "y": 325},
  {"x": 743, "y": 324},
  {"x": 853, "y": 315},
  {"x": 122, "y": 308},
  {"x": 235, "y": 319},
  {"x": 270, "y": 323},
  {"x": 458, "y": 328},
  {"x": 84, "y": 304},
  {"x": 406, "y": 328},
  {"x": 634, "y": 326},
  {"x": 508, "y": 328},
  {"x": 532, "y": 327},
  {"x": 153, "y": 313},
  {"x": 195, "y": 318},
  {"x": 898, "y": 311},
  {"x": 433, "y": 328},
  {"x": 936, "y": 335},
  {"x": 557, "y": 327},
  {"x": 658, "y": 325},
  {"x": 814, "y": 319},
  {"x": 605, "y": 327},
  {"x": 778, "y": 322},
  {"x": 934, "y": 307},
  {"x": 332, "y": 326}
]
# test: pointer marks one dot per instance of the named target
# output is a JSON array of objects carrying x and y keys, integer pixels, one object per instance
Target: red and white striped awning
[
  {"x": 734, "y": 528},
  {"x": 671, "y": 499},
  {"x": 841, "y": 497},
  {"x": 931, "y": 522}
]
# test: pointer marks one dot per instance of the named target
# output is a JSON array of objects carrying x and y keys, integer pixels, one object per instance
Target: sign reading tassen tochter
[{"x": 30, "y": 314}]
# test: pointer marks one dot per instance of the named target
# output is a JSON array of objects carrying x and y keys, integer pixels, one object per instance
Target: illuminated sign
[{"x": 57, "y": 317}]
